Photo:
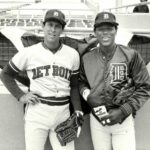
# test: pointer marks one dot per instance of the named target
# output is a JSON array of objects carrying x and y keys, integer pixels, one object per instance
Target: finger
[
  {"x": 103, "y": 122},
  {"x": 105, "y": 117},
  {"x": 78, "y": 131},
  {"x": 110, "y": 111},
  {"x": 30, "y": 102},
  {"x": 36, "y": 93},
  {"x": 108, "y": 121},
  {"x": 35, "y": 98},
  {"x": 110, "y": 124},
  {"x": 33, "y": 95},
  {"x": 33, "y": 101}
]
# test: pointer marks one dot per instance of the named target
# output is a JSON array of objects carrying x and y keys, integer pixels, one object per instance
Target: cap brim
[
  {"x": 55, "y": 19},
  {"x": 103, "y": 23}
]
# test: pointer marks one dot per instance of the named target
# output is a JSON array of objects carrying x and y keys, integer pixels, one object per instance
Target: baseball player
[
  {"x": 108, "y": 72},
  {"x": 52, "y": 68}
]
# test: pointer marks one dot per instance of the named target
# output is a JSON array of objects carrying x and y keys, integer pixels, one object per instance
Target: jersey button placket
[
  {"x": 53, "y": 64},
  {"x": 105, "y": 73},
  {"x": 105, "y": 77}
]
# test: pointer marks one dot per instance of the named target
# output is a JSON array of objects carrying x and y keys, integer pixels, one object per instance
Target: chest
[
  {"x": 45, "y": 64},
  {"x": 47, "y": 58},
  {"x": 111, "y": 71}
]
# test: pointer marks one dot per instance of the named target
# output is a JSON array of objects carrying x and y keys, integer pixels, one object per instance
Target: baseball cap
[
  {"x": 56, "y": 15},
  {"x": 105, "y": 18}
]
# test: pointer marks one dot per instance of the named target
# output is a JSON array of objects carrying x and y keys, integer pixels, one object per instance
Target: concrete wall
[
  {"x": 12, "y": 127},
  {"x": 134, "y": 22},
  {"x": 12, "y": 132}
]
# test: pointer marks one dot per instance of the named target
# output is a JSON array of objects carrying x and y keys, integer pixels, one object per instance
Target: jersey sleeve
[
  {"x": 19, "y": 62},
  {"x": 76, "y": 63}
]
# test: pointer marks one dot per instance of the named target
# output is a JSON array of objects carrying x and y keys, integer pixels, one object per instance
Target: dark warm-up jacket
[{"x": 105, "y": 77}]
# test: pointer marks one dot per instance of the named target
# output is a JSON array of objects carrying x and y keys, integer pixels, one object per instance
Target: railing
[
  {"x": 17, "y": 5},
  {"x": 92, "y": 4},
  {"x": 69, "y": 13},
  {"x": 124, "y": 9}
]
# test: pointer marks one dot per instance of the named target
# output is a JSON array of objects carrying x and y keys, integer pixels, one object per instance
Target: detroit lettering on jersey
[{"x": 60, "y": 71}]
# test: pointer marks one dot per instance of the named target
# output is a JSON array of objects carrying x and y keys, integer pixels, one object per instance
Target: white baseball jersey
[{"x": 49, "y": 73}]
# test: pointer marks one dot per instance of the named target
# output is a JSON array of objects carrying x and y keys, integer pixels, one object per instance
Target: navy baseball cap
[
  {"x": 55, "y": 15},
  {"x": 105, "y": 18}
]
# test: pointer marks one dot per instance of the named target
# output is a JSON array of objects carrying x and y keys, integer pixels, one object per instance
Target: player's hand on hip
[
  {"x": 30, "y": 97},
  {"x": 114, "y": 115}
]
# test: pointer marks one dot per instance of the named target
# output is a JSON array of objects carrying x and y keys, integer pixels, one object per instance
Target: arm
[
  {"x": 74, "y": 93},
  {"x": 141, "y": 94},
  {"x": 23, "y": 79},
  {"x": 81, "y": 45},
  {"x": 74, "y": 83},
  {"x": 141, "y": 81},
  {"x": 8, "y": 76},
  {"x": 84, "y": 87}
]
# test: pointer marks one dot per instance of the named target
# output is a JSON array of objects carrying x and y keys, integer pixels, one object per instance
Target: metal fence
[{"x": 8, "y": 50}]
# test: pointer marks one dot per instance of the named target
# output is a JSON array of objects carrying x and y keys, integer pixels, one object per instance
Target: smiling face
[
  {"x": 106, "y": 34},
  {"x": 52, "y": 31}
]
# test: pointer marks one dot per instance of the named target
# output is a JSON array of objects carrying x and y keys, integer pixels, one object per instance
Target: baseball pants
[
  {"x": 115, "y": 137},
  {"x": 40, "y": 123}
]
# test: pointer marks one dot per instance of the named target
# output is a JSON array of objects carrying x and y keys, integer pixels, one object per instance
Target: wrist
[
  {"x": 85, "y": 94},
  {"x": 79, "y": 112},
  {"x": 20, "y": 96},
  {"x": 123, "y": 116}
]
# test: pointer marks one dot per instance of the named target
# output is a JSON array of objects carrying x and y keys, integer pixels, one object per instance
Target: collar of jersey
[{"x": 59, "y": 48}]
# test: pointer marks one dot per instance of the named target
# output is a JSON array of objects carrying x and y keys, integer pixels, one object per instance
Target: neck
[
  {"x": 51, "y": 46},
  {"x": 107, "y": 50}
]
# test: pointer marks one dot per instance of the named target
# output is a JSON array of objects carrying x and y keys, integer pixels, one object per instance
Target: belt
[{"x": 54, "y": 100}]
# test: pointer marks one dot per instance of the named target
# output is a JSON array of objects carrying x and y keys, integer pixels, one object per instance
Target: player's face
[
  {"x": 106, "y": 34},
  {"x": 52, "y": 31}
]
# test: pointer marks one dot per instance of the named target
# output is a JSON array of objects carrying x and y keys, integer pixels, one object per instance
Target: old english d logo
[
  {"x": 56, "y": 14},
  {"x": 106, "y": 16},
  {"x": 118, "y": 72}
]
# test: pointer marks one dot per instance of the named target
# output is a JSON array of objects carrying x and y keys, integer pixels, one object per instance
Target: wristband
[
  {"x": 85, "y": 94},
  {"x": 79, "y": 112}
]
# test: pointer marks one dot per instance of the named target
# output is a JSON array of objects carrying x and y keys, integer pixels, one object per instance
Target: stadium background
[{"x": 28, "y": 16}]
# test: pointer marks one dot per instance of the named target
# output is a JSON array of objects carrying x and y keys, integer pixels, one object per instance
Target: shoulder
[
  {"x": 90, "y": 53},
  {"x": 128, "y": 52},
  {"x": 126, "y": 49},
  {"x": 69, "y": 50},
  {"x": 38, "y": 45},
  {"x": 31, "y": 49}
]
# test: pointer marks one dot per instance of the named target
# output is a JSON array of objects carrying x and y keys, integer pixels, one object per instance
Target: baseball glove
[
  {"x": 70, "y": 129},
  {"x": 126, "y": 91},
  {"x": 123, "y": 95}
]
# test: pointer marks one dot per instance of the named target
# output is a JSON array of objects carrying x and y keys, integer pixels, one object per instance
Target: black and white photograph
[{"x": 74, "y": 74}]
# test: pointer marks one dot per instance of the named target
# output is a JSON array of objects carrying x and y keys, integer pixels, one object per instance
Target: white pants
[
  {"x": 115, "y": 137},
  {"x": 40, "y": 122}
]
